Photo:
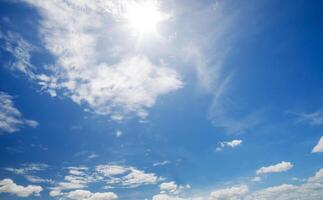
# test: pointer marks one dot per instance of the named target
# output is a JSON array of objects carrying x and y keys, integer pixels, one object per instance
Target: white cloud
[
  {"x": 11, "y": 119},
  {"x": 166, "y": 197},
  {"x": 168, "y": 187},
  {"x": 21, "y": 51},
  {"x": 235, "y": 192},
  {"x": 77, "y": 178},
  {"x": 36, "y": 179},
  {"x": 87, "y": 195},
  {"x": 231, "y": 144},
  {"x": 88, "y": 69},
  {"x": 317, "y": 178},
  {"x": 280, "y": 167},
  {"x": 165, "y": 162},
  {"x": 124, "y": 176},
  {"x": 111, "y": 170},
  {"x": 8, "y": 186},
  {"x": 319, "y": 147}
]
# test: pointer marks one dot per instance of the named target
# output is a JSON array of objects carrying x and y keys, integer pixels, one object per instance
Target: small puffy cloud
[
  {"x": 280, "y": 167},
  {"x": 168, "y": 187},
  {"x": 319, "y": 147},
  {"x": 230, "y": 144},
  {"x": 87, "y": 195},
  {"x": 111, "y": 170},
  {"x": 8, "y": 186},
  {"x": 235, "y": 192},
  {"x": 11, "y": 119}
]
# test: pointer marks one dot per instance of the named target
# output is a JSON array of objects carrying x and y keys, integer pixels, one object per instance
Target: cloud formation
[
  {"x": 88, "y": 69},
  {"x": 230, "y": 144},
  {"x": 11, "y": 119},
  {"x": 8, "y": 186},
  {"x": 280, "y": 167},
  {"x": 229, "y": 193},
  {"x": 87, "y": 195},
  {"x": 318, "y": 147}
]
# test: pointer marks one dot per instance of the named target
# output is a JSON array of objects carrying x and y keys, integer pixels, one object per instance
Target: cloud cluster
[
  {"x": 111, "y": 176},
  {"x": 28, "y": 171},
  {"x": 280, "y": 167},
  {"x": 11, "y": 119},
  {"x": 125, "y": 176},
  {"x": 312, "y": 189},
  {"x": 8, "y": 186},
  {"x": 102, "y": 72}
]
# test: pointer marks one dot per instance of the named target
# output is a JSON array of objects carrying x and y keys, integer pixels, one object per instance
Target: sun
[{"x": 144, "y": 17}]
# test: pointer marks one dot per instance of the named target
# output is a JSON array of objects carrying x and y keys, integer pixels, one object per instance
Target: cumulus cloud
[
  {"x": 235, "y": 192},
  {"x": 231, "y": 144},
  {"x": 87, "y": 195},
  {"x": 8, "y": 186},
  {"x": 280, "y": 167},
  {"x": 11, "y": 119},
  {"x": 126, "y": 176},
  {"x": 317, "y": 178},
  {"x": 88, "y": 68},
  {"x": 319, "y": 147}
]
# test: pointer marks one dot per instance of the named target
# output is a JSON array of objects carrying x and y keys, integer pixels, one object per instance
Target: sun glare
[{"x": 144, "y": 17}]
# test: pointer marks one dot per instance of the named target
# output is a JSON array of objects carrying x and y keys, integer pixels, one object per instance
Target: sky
[{"x": 161, "y": 100}]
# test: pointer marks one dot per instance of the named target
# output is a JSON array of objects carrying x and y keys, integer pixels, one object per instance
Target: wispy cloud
[
  {"x": 11, "y": 119},
  {"x": 162, "y": 163},
  {"x": 84, "y": 71},
  {"x": 313, "y": 118},
  {"x": 21, "y": 50},
  {"x": 280, "y": 167}
]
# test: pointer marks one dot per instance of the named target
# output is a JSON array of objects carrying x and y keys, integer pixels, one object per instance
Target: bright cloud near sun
[{"x": 144, "y": 16}]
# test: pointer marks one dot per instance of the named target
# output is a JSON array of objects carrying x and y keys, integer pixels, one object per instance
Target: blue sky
[{"x": 161, "y": 100}]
